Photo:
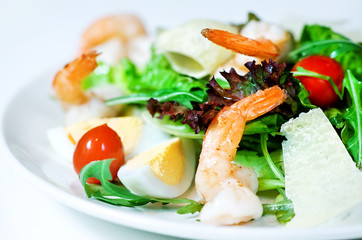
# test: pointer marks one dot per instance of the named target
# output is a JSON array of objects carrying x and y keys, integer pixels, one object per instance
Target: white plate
[{"x": 33, "y": 111}]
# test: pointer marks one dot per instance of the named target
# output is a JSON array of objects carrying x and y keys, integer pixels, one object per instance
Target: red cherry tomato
[
  {"x": 99, "y": 143},
  {"x": 321, "y": 91}
]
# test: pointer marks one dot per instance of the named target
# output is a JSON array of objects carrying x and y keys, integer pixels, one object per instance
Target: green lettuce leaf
[
  {"x": 266, "y": 124},
  {"x": 158, "y": 74},
  {"x": 119, "y": 195}
]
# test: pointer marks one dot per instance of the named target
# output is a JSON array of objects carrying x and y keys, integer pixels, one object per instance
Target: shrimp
[
  {"x": 222, "y": 184},
  {"x": 257, "y": 40},
  {"x": 122, "y": 27},
  {"x": 240, "y": 44},
  {"x": 67, "y": 82}
]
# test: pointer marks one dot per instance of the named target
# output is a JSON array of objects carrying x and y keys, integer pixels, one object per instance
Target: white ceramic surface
[
  {"x": 32, "y": 112},
  {"x": 24, "y": 131}
]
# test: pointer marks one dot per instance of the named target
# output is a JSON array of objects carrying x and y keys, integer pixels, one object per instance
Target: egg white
[
  {"x": 60, "y": 142},
  {"x": 143, "y": 181}
]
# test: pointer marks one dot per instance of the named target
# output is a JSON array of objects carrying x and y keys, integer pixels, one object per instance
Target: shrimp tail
[
  {"x": 262, "y": 48},
  {"x": 261, "y": 102}
]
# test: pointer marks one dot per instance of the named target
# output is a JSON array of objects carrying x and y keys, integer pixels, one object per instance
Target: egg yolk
[{"x": 166, "y": 161}]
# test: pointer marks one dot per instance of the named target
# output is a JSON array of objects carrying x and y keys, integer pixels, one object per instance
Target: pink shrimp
[
  {"x": 262, "y": 47},
  {"x": 225, "y": 189},
  {"x": 122, "y": 27},
  {"x": 67, "y": 82}
]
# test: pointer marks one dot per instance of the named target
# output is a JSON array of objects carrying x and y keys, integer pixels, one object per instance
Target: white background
[{"x": 39, "y": 35}]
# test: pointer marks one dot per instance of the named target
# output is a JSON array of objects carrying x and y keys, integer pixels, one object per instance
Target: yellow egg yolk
[
  {"x": 166, "y": 161},
  {"x": 129, "y": 129}
]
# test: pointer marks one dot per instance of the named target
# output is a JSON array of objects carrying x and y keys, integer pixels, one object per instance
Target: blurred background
[{"x": 40, "y": 36}]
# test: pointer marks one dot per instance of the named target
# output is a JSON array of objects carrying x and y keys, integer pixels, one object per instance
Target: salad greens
[
  {"x": 157, "y": 80},
  {"x": 316, "y": 39},
  {"x": 185, "y": 106},
  {"x": 119, "y": 195},
  {"x": 352, "y": 131}
]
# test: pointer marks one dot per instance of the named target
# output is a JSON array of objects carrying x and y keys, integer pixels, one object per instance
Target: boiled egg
[
  {"x": 165, "y": 170},
  {"x": 63, "y": 139},
  {"x": 129, "y": 129}
]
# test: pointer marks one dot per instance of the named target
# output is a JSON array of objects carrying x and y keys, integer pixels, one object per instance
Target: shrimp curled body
[
  {"x": 229, "y": 199},
  {"x": 122, "y": 27},
  {"x": 67, "y": 82}
]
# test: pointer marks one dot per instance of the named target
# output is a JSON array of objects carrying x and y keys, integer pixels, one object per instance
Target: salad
[{"x": 244, "y": 118}]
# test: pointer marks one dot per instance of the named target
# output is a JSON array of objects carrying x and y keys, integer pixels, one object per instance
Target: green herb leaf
[
  {"x": 171, "y": 127},
  {"x": 266, "y": 124},
  {"x": 283, "y": 210},
  {"x": 119, "y": 195},
  {"x": 258, "y": 163},
  {"x": 321, "y": 40},
  {"x": 158, "y": 74},
  {"x": 190, "y": 208},
  {"x": 304, "y": 72},
  {"x": 163, "y": 95},
  {"x": 269, "y": 184},
  {"x": 335, "y": 116},
  {"x": 352, "y": 132},
  {"x": 278, "y": 173}
]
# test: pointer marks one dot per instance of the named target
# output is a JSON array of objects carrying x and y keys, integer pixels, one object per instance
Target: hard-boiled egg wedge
[
  {"x": 64, "y": 139},
  {"x": 60, "y": 142},
  {"x": 129, "y": 129},
  {"x": 166, "y": 170}
]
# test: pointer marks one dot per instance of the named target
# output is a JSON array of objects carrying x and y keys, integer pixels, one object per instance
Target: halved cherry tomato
[
  {"x": 321, "y": 91},
  {"x": 99, "y": 143}
]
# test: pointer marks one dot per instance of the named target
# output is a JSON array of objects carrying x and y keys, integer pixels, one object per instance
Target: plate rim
[{"x": 148, "y": 223}]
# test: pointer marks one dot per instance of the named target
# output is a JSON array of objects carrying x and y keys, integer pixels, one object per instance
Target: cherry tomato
[
  {"x": 321, "y": 91},
  {"x": 99, "y": 143}
]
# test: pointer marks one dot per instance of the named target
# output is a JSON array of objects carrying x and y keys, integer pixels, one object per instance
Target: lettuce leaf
[
  {"x": 260, "y": 76},
  {"x": 158, "y": 74}
]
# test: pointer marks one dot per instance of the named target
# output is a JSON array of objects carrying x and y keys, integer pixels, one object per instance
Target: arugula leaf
[
  {"x": 163, "y": 95},
  {"x": 336, "y": 117},
  {"x": 190, "y": 208},
  {"x": 304, "y": 72},
  {"x": 269, "y": 184},
  {"x": 322, "y": 40},
  {"x": 277, "y": 171},
  {"x": 283, "y": 210},
  {"x": 352, "y": 132},
  {"x": 119, "y": 195}
]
